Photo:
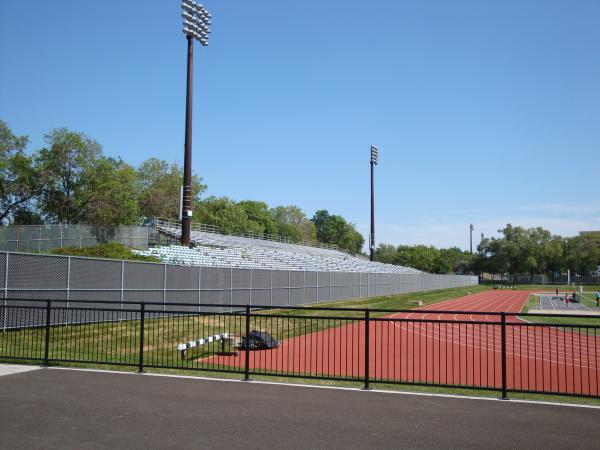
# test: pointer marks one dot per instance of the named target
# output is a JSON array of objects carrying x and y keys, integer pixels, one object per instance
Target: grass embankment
[{"x": 111, "y": 251}]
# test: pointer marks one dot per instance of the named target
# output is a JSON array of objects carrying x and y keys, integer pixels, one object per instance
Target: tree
[
  {"x": 260, "y": 214},
  {"x": 452, "y": 260},
  {"x": 386, "y": 253},
  {"x": 19, "y": 180},
  {"x": 333, "y": 229},
  {"x": 110, "y": 194},
  {"x": 292, "y": 223},
  {"x": 583, "y": 252},
  {"x": 225, "y": 214},
  {"x": 159, "y": 189},
  {"x": 420, "y": 257},
  {"x": 65, "y": 166}
]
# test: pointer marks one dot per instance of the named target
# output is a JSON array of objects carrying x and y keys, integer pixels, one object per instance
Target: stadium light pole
[
  {"x": 471, "y": 228},
  {"x": 196, "y": 21},
  {"x": 374, "y": 159}
]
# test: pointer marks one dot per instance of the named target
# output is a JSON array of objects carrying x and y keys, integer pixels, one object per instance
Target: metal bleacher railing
[{"x": 174, "y": 229}]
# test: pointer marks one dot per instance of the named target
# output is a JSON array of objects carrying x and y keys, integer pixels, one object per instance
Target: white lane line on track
[{"x": 499, "y": 300}]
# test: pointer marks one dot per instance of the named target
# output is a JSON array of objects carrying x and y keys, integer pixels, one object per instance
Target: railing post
[
  {"x": 142, "y": 317},
  {"x": 247, "y": 354},
  {"x": 503, "y": 338},
  {"x": 47, "y": 336},
  {"x": 367, "y": 347},
  {"x": 5, "y": 292}
]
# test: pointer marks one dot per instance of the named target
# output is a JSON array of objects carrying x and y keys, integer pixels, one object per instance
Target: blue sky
[{"x": 484, "y": 111}]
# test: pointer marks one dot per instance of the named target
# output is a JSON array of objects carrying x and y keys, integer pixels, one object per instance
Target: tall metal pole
[
  {"x": 471, "y": 228},
  {"x": 187, "y": 163},
  {"x": 372, "y": 237}
]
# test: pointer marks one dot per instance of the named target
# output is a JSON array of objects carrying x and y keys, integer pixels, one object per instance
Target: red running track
[{"x": 438, "y": 348}]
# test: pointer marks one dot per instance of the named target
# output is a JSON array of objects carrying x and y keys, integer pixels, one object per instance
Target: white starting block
[{"x": 183, "y": 348}]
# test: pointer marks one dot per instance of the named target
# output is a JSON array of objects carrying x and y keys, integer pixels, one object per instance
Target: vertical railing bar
[
  {"x": 47, "y": 336},
  {"x": 503, "y": 338},
  {"x": 142, "y": 318},
  {"x": 68, "y": 293},
  {"x": 5, "y": 292},
  {"x": 367, "y": 346},
  {"x": 247, "y": 346}
]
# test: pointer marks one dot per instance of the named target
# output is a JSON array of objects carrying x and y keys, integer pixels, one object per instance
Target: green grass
[
  {"x": 111, "y": 250},
  {"x": 588, "y": 299},
  {"x": 532, "y": 302}
]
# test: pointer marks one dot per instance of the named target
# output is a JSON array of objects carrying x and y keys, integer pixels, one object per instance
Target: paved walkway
[
  {"x": 9, "y": 369},
  {"x": 55, "y": 408}
]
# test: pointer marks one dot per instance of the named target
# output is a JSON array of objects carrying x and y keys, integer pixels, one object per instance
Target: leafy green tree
[
  {"x": 292, "y": 223},
  {"x": 333, "y": 229},
  {"x": 260, "y": 214},
  {"x": 583, "y": 252},
  {"x": 27, "y": 216},
  {"x": 226, "y": 214},
  {"x": 19, "y": 180},
  {"x": 386, "y": 253},
  {"x": 159, "y": 189},
  {"x": 452, "y": 260},
  {"x": 545, "y": 249},
  {"x": 110, "y": 194},
  {"x": 65, "y": 165},
  {"x": 420, "y": 257}
]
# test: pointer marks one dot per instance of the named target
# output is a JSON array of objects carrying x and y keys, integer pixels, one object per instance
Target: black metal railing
[{"x": 506, "y": 352}]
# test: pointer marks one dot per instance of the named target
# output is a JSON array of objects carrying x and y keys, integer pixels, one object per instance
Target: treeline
[
  {"x": 537, "y": 251},
  {"x": 426, "y": 258},
  {"x": 70, "y": 180},
  {"x": 533, "y": 251}
]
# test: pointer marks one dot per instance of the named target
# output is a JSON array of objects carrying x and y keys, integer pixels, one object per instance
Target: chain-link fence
[
  {"x": 66, "y": 278},
  {"x": 40, "y": 238}
]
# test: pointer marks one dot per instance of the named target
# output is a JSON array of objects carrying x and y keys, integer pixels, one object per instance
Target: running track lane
[{"x": 439, "y": 348}]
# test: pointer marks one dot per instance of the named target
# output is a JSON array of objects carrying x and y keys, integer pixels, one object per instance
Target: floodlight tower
[
  {"x": 471, "y": 228},
  {"x": 196, "y": 21},
  {"x": 374, "y": 158}
]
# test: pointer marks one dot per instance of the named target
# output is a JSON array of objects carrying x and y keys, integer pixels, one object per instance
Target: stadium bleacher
[{"x": 226, "y": 251}]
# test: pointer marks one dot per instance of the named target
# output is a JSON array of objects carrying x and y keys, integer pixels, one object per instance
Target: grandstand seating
[{"x": 217, "y": 250}]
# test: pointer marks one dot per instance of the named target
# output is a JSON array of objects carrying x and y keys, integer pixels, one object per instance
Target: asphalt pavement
[{"x": 69, "y": 409}]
